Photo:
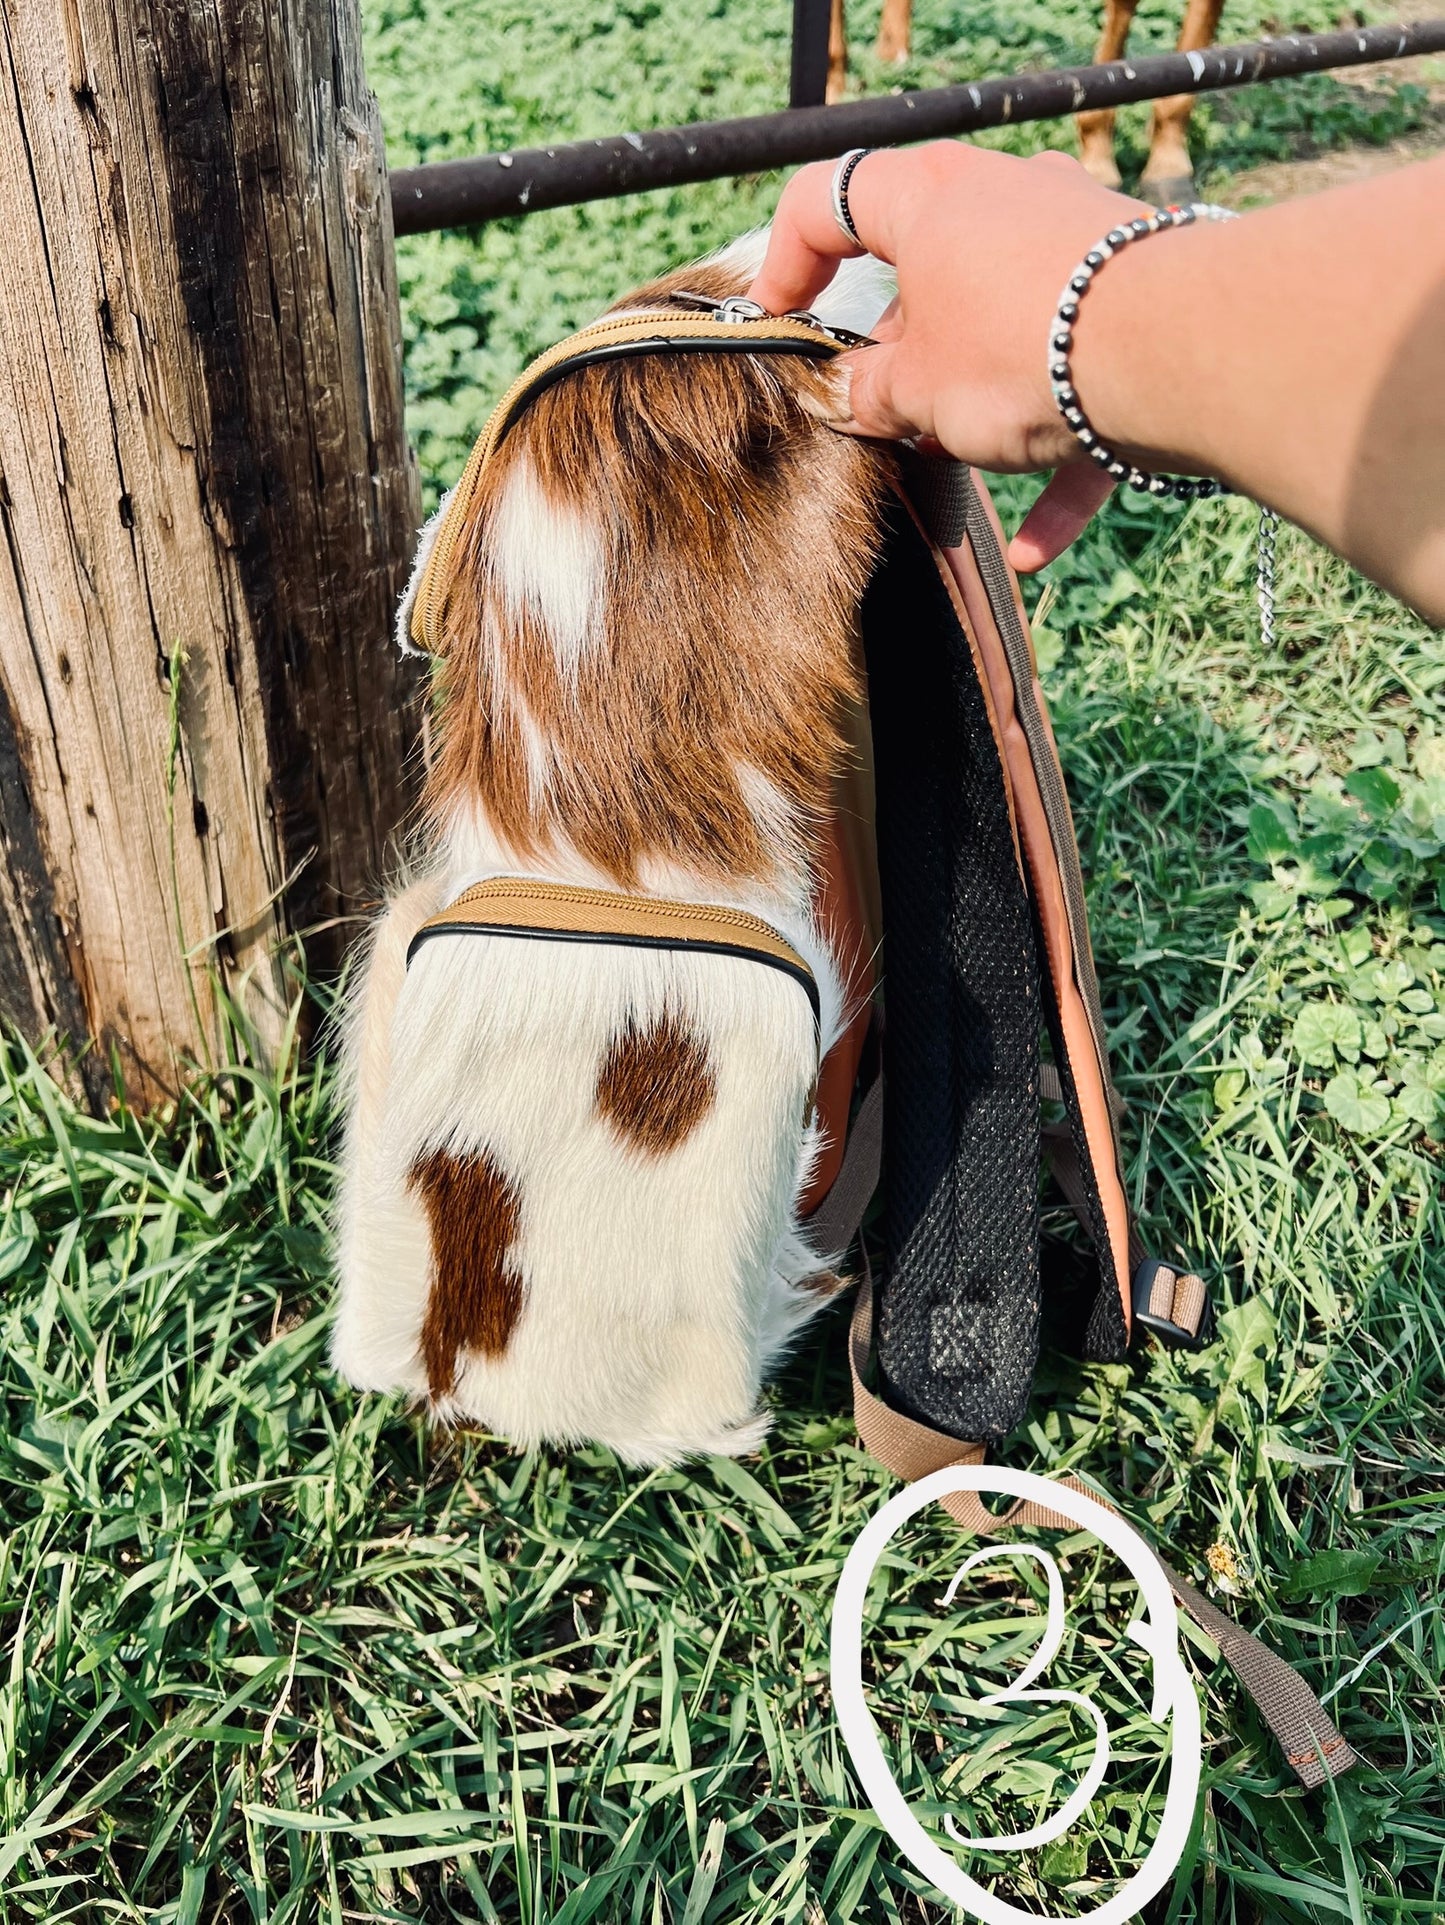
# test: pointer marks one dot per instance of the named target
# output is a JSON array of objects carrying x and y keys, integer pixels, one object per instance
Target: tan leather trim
[
  {"x": 912, "y": 1450},
  {"x": 1088, "y": 1073},
  {"x": 642, "y": 324},
  {"x": 965, "y": 622},
  {"x": 506, "y": 901}
]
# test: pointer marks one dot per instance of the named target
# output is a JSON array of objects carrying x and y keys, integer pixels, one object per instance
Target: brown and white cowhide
[{"x": 572, "y": 1171}]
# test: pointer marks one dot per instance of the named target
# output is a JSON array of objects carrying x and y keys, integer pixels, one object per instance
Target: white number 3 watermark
[{"x": 1156, "y": 1631}]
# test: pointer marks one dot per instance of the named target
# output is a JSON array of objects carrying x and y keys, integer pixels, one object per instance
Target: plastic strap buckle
[{"x": 1172, "y": 1303}]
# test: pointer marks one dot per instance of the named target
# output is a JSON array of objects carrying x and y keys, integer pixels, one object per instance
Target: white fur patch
[
  {"x": 551, "y": 561},
  {"x": 776, "y": 822},
  {"x": 744, "y": 255},
  {"x": 658, "y": 1289},
  {"x": 538, "y": 748},
  {"x": 857, "y": 294}
]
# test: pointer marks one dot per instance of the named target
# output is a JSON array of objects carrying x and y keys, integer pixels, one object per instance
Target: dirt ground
[{"x": 1285, "y": 180}]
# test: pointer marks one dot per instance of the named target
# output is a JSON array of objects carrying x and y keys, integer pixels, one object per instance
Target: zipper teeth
[
  {"x": 686, "y": 327},
  {"x": 609, "y": 899},
  {"x": 1050, "y": 779}
]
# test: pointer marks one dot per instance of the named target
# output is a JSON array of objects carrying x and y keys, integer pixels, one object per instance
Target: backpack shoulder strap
[{"x": 1071, "y": 1001}]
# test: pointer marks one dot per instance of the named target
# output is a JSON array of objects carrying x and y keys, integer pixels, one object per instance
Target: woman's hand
[
  {"x": 983, "y": 244},
  {"x": 1298, "y": 353}
]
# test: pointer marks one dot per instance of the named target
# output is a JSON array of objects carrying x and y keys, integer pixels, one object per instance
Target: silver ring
[{"x": 842, "y": 174}]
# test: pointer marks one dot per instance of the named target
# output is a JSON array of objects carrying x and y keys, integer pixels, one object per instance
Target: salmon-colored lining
[{"x": 1088, "y": 1072}]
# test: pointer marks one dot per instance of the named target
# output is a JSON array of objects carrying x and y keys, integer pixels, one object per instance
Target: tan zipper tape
[
  {"x": 505, "y": 901},
  {"x": 642, "y": 324}
]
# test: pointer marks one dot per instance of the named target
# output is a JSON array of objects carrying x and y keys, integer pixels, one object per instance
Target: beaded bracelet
[{"x": 1061, "y": 341}]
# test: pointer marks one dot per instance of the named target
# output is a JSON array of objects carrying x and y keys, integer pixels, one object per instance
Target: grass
[{"x": 277, "y": 1655}]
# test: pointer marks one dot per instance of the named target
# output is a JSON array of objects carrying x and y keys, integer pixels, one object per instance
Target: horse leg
[
  {"x": 1096, "y": 128},
  {"x": 894, "y": 30},
  {"x": 837, "y": 54},
  {"x": 1169, "y": 174}
]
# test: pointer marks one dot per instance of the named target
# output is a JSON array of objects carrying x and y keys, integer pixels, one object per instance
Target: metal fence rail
[{"x": 462, "y": 193}]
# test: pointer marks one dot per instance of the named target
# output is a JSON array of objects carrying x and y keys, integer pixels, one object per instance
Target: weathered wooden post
[{"x": 207, "y": 505}]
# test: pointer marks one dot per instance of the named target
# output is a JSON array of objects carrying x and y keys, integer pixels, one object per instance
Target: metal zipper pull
[{"x": 737, "y": 307}]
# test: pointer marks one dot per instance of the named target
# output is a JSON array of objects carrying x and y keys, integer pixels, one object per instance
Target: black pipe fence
[
  {"x": 464, "y": 193},
  {"x": 808, "y": 75}
]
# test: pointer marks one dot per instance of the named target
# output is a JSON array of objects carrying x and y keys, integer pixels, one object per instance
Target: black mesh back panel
[{"x": 959, "y": 1304}]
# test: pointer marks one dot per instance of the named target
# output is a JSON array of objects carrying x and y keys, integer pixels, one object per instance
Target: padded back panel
[{"x": 959, "y": 1304}]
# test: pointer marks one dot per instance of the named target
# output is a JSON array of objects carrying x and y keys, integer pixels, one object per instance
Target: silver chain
[{"x": 1264, "y": 575}]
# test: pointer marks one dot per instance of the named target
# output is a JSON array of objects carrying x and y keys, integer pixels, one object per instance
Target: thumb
[{"x": 866, "y": 404}]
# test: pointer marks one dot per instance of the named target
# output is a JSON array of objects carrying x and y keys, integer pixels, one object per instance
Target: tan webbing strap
[
  {"x": 1309, "y": 1740},
  {"x": 912, "y": 1450},
  {"x": 834, "y": 1224},
  {"x": 1312, "y": 1746}
]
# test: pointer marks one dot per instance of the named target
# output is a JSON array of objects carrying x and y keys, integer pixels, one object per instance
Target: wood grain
[{"x": 208, "y": 506}]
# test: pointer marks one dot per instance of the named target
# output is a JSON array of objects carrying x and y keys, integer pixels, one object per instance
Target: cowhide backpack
[{"x": 748, "y": 867}]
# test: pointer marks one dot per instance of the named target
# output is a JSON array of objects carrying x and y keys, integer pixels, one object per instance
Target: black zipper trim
[
  {"x": 802, "y": 976},
  {"x": 748, "y": 342}
]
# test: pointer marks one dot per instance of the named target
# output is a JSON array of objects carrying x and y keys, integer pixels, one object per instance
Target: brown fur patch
[
  {"x": 476, "y": 1291},
  {"x": 656, "y": 1084},
  {"x": 704, "y": 727},
  {"x": 827, "y": 1283}
]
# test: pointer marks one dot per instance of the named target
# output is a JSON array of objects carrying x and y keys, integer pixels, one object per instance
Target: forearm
[
  {"x": 1299, "y": 353},
  {"x": 1227, "y": 348}
]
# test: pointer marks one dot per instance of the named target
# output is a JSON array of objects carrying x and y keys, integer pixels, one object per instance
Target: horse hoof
[
  {"x": 1100, "y": 167},
  {"x": 1175, "y": 191}
]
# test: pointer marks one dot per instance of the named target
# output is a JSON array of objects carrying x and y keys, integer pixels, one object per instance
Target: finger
[
  {"x": 803, "y": 249},
  {"x": 1059, "y": 161},
  {"x": 1059, "y": 516},
  {"x": 867, "y": 405},
  {"x": 806, "y": 242}
]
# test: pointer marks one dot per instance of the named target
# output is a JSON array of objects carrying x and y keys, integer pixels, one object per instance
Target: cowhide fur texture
[{"x": 571, "y": 1171}]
